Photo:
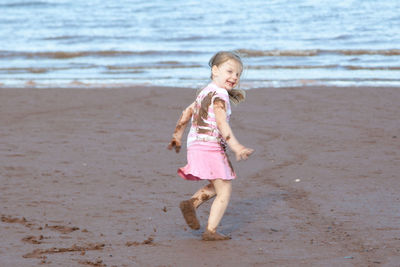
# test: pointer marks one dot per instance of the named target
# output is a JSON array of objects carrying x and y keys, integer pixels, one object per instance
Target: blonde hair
[{"x": 236, "y": 96}]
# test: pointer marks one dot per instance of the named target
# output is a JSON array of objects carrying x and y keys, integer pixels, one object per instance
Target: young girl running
[{"x": 207, "y": 140}]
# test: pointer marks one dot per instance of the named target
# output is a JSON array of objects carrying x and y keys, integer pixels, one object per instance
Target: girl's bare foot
[
  {"x": 189, "y": 213},
  {"x": 214, "y": 236}
]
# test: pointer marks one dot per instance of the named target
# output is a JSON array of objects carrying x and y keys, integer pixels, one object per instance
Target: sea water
[{"x": 64, "y": 43}]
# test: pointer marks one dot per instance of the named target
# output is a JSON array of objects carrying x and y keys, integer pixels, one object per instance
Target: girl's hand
[
  {"x": 175, "y": 143},
  {"x": 180, "y": 128},
  {"x": 243, "y": 153}
]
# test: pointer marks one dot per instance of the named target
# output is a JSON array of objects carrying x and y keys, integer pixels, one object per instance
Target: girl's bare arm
[
  {"x": 180, "y": 128},
  {"x": 240, "y": 151}
]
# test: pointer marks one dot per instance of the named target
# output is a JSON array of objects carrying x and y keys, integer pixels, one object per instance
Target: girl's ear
[{"x": 214, "y": 71}]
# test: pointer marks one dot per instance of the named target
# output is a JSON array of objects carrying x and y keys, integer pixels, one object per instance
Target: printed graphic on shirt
[
  {"x": 201, "y": 114},
  {"x": 204, "y": 130}
]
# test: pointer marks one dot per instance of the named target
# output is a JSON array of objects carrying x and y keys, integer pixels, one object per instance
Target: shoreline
[
  {"x": 87, "y": 172},
  {"x": 297, "y": 83}
]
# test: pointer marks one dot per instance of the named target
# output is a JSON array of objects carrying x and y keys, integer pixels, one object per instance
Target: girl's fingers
[
  {"x": 175, "y": 144},
  {"x": 171, "y": 145},
  {"x": 244, "y": 154},
  {"x": 177, "y": 148}
]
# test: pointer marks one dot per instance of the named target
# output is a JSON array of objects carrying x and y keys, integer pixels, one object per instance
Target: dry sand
[{"x": 86, "y": 179}]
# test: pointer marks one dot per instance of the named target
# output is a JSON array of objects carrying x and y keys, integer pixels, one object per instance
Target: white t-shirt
[{"x": 204, "y": 131}]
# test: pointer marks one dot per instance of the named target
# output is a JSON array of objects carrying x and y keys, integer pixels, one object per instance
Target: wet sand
[{"x": 86, "y": 179}]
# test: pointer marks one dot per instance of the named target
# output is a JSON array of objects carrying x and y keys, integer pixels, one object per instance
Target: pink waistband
[{"x": 205, "y": 146}]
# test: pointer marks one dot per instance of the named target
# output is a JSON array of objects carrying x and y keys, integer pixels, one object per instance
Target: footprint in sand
[{"x": 62, "y": 229}]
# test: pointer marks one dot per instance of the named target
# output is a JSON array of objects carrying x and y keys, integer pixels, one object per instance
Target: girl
[{"x": 207, "y": 140}]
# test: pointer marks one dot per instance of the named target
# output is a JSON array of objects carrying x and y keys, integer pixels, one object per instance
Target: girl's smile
[{"x": 227, "y": 75}]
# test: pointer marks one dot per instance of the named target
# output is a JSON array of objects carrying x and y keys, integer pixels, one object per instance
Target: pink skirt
[{"x": 206, "y": 165}]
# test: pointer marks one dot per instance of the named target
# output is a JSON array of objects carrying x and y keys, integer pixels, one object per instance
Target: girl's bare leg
[
  {"x": 203, "y": 194},
  {"x": 223, "y": 190},
  {"x": 188, "y": 207}
]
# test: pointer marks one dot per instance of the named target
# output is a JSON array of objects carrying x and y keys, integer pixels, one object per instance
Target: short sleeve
[{"x": 222, "y": 95}]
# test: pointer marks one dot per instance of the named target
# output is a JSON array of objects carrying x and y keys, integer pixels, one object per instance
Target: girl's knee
[
  {"x": 222, "y": 187},
  {"x": 226, "y": 192},
  {"x": 227, "y": 186}
]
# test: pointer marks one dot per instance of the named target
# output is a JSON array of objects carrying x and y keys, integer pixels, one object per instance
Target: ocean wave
[
  {"x": 40, "y": 70},
  {"x": 22, "y": 4},
  {"x": 190, "y": 38},
  {"x": 128, "y": 81},
  {"x": 322, "y": 81},
  {"x": 23, "y": 70},
  {"x": 262, "y": 67},
  {"x": 72, "y": 54},
  {"x": 164, "y": 66},
  {"x": 316, "y": 52},
  {"x": 120, "y": 69},
  {"x": 243, "y": 52},
  {"x": 277, "y": 53},
  {"x": 64, "y": 37},
  {"x": 372, "y": 68},
  {"x": 83, "y": 38},
  {"x": 61, "y": 54},
  {"x": 335, "y": 66}
]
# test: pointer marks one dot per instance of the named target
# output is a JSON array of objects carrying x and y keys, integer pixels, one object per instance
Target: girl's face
[{"x": 227, "y": 75}]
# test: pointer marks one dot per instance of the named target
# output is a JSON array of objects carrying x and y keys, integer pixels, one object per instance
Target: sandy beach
[{"x": 86, "y": 179}]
